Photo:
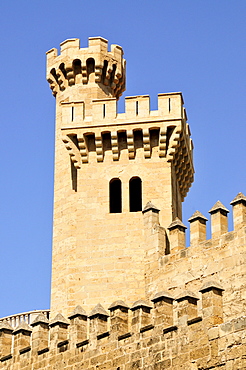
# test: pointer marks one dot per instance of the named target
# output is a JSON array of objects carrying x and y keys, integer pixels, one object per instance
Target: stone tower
[
  {"x": 119, "y": 241},
  {"x": 120, "y": 179}
]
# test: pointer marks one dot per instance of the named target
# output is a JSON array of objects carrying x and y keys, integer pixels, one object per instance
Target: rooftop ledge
[{"x": 27, "y": 317}]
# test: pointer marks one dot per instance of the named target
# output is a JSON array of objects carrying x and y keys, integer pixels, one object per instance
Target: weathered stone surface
[
  {"x": 118, "y": 304},
  {"x": 78, "y": 311},
  {"x": 98, "y": 310},
  {"x": 158, "y": 296},
  {"x": 196, "y": 216},
  {"x": 218, "y": 206},
  {"x": 240, "y": 198},
  {"x": 150, "y": 207},
  {"x": 59, "y": 319},
  {"x": 40, "y": 319}
]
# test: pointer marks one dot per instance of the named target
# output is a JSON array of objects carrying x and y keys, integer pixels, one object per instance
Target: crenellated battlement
[
  {"x": 163, "y": 133},
  {"x": 219, "y": 224},
  {"x": 83, "y": 66},
  {"x": 137, "y": 108},
  {"x": 169, "y": 245},
  {"x": 166, "y": 331},
  {"x": 221, "y": 257}
]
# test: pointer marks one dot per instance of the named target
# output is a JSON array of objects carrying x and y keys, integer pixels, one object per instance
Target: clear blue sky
[{"x": 193, "y": 46}]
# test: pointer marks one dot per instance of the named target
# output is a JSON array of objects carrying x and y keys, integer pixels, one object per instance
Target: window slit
[
  {"x": 74, "y": 170},
  {"x": 137, "y": 108},
  {"x": 104, "y": 110},
  {"x": 169, "y": 104},
  {"x": 74, "y": 176},
  {"x": 72, "y": 118}
]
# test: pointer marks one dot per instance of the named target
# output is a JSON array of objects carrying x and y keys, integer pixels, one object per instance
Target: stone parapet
[
  {"x": 196, "y": 326},
  {"x": 198, "y": 227},
  {"x": 155, "y": 337},
  {"x": 107, "y": 131},
  {"x": 74, "y": 66},
  {"x": 27, "y": 317}
]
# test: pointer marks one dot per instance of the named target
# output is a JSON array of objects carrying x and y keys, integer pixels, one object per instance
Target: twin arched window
[{"x": 135, "y": 195}]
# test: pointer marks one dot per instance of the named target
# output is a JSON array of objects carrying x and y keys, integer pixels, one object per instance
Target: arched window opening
[
  {"x": 135, "y": 194},
  {"x": 90, "y": 65},
  {"x": 112, "y": 74},
  {"x": 53, "y": 72},
  {"x": 77, "y": 67},
  {"x": 170, "y": 130},
  {"x": 104, "y": 70},
  {"x": 62, "y": 68},
  {"x": 115, "y": 201}
]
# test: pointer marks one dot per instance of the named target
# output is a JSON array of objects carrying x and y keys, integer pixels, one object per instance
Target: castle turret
[
  {"x": 86, "y": 73},
  {"x": 108, "y": 166}
]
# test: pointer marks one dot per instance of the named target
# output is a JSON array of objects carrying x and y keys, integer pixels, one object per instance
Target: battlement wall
[
  {"x": 74, "y": 66},
  {"x": 160, "y": 134},
  {"x": 105, "y": 111},
  {"x": 223, "y": 257},
  {"x": 165, "y": 333},
  {"x": 192, "y": 318}
]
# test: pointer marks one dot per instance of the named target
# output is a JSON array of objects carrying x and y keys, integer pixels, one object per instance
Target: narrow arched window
[
  {"x": 135, "y": 194},
  {"x": 115, "y": 202},
  {"x": 77, "y": 66},
  {"x": 90, "y": 65}
]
